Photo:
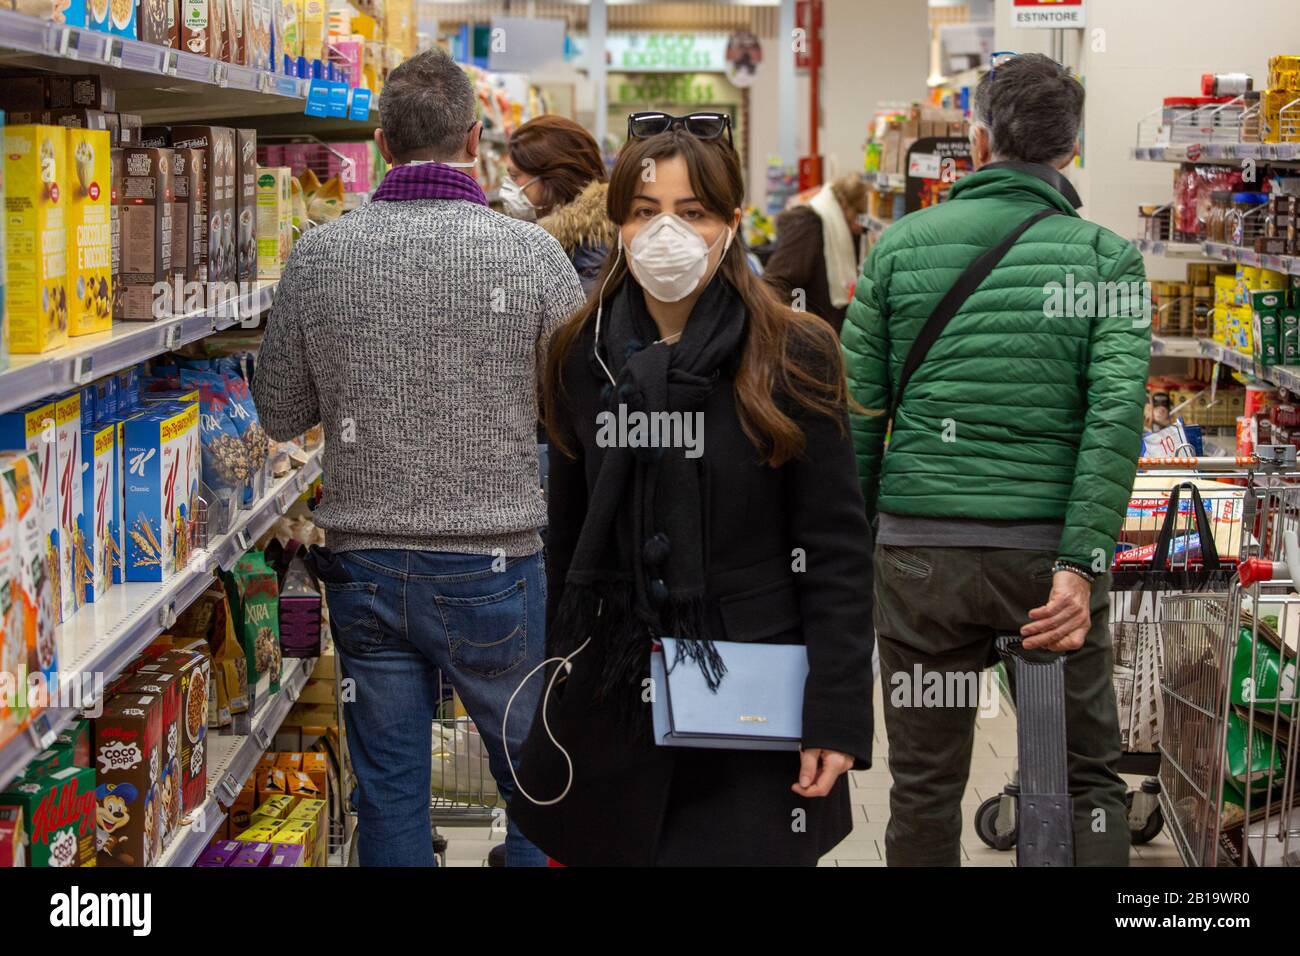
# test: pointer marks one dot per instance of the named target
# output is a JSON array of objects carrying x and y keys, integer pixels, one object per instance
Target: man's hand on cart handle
[
  {"x": 817, "y": 783},
  {"x": 1063, "y": 622}
]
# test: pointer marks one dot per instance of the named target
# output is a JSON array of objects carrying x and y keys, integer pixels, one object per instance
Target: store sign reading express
[
  {"x": 685, "y": 90},
  {"x": 1048, "y": 14},
  {"x": 667, "y": 52}
]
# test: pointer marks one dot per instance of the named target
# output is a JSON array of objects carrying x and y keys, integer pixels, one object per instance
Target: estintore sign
[{"x": 1048, "y": 14}]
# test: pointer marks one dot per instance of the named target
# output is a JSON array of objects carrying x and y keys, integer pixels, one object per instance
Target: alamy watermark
[
  {"x": 637, "y": 429},
  {"x": 1098, "y": 300}
]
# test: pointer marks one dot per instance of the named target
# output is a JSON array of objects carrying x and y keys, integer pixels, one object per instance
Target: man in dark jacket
[{"x": 1011, "y": 458}]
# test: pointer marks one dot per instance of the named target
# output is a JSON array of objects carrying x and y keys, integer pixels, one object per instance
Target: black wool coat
[{"x": 788, "y": 560}]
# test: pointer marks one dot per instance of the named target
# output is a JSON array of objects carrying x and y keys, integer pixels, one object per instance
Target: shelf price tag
[
  {"x": 231, "y": 787},
  {"x": 262, "y": 736},
  {"x": 338, "y": 99},
  {"x": 359, "y": 109},
  {"x": 222, "y": 75},
  {"x": 43, "y": 735},
  {"x": 69, "y": 44},
  {"x": 318, "y": 99},
  {"x": 113, "y": 51},
  {"x": 241, "y": 540},
  {"x": 83, "y": 369},
  {"x": 169, "y": 63},
  {"x": 172, "y": 336}
]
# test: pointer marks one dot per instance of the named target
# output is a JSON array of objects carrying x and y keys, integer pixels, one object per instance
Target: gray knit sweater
[{"x": 415, "y": 331}]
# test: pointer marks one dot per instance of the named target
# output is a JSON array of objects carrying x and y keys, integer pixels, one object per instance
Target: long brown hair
[
  {"x": 559, "y": 151},
  {"x": 788, "y": 356}
]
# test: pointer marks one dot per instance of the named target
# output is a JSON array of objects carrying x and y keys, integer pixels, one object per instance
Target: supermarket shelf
[
  {"x": 1219, "y": 153},
  {"x": 231, "y": 761},
  {"x": 875, "y": 225},
  {"x": 886, "y": 182},
  {"x": 1175, "y": 347},
  {"x": 30, "y": 377},
  {"x": 1172, "y": 250},
  {"x": 1283, "y": 376},
  {"x": 103, "y": 637}
]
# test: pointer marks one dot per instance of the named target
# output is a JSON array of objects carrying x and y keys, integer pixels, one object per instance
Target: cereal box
[
  {"x": 285, "y": 855},
  {"x": 4, "y": 312},
  {"x": 157, "y": 22},
  {"x": 195, "y": 28},
  {"x": 236, "y": 26},
  {"x": 257, "y": 34},
  {"x": 166, "y": 687},
  {"x": 122, "y": 18},
  {"x": 116, "y": 524},
  {"x": 277, "y": 807},
  {"x": 219, "y": 142},
  {"x": 75, "y": 742},
  {"x": 97, "y": 15},
  {"x": 36, "y": 237},
  {"x": 129, "y": 768},
  {"x": 31, "y": 429},
  {"x": 69, "y": 12},
  {"x": 311, "y": 813},
  {"x": 220, "y": 853},
  {"x": 260, "y": 834},
  {"x": 189, "y": 204},
  {"x": 58, "y": 814},
  {"x": 245, "y": 205},
  {"x": 218, "y": 42},
  {"x": 99, "y": 442},
  {"x": 286, "y": 35},
  {"x": 47, "y": 761},
  {"x": 157, "y": 445},
  {"x": 145, "y": 201},
  {"x": 13, "y": 838},
  {"x": 67, "y": 449},
  {"x": 274, "y": 213},
  {"x": 90, "y": 232},
  {"x": 301, "y": 832},
  {"x": 194, "y": 670},
  {"x": 313, "y": 29},
  {"x": 31, "y": 643},
  {"x": 13, "y": 645}
]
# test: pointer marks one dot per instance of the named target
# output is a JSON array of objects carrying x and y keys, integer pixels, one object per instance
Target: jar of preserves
[{"x": 1244, "y": 220}]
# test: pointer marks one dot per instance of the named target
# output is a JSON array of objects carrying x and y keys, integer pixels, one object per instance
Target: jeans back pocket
[
  {"x": 353, "y": 618},
  {"x": 487, "y": 635}
]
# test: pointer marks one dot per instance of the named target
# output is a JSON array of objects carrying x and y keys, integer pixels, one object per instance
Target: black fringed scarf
[{"x": 638, "y": 570}]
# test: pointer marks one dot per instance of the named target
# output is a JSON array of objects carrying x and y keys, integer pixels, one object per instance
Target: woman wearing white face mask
[
  {"x": 746, "y": 525},
  {"x": 555, "y": 175}
]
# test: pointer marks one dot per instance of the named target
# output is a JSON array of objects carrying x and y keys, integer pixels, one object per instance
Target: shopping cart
[
  {"x": 1228, "y": 773},
  {"x": 463, "y": 792},
  {"x": 1145, "y": 573}
]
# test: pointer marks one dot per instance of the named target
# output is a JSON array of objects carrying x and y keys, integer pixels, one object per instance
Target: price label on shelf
[
  {"x": 83, "y": 369},
  {"x": 43, "y": 734},
  {"x": 318, "y": 99},
  {"x": 262, "y": 736},
  {"x": 172, "y": 336},
  {"x": 359, "y": 109},
  {"x": 338, "y": 100},
  {"x": 169, "y": 63}
]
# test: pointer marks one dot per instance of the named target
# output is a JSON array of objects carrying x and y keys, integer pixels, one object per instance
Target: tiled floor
[{"x": 991, "y": 766}]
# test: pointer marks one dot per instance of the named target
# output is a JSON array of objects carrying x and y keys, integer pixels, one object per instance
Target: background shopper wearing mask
[
  {"x": 1010, "y": 462},
  {"x": 555, "y": 175},
  {"x": 817, "y": 250},
  {"x": 692, "y": 329},
  {"x": 389, "y": 329}
]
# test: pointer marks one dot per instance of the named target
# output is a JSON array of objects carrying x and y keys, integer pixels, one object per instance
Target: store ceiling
[{"x": 761, "y": 19}]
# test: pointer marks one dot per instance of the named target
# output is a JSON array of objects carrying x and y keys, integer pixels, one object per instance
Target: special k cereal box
[
  {"x": 30, "y": 637},
  {"x": 157, "y": 445},
  {"x": 90, "y": 235},
  {"x": 67, "y": 450},
  {"x": 99, "y": 446},
  {"x": 36, "y": 239}
]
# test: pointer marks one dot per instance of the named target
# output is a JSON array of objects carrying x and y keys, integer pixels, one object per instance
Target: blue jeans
[{"x": 399, "y": 617}]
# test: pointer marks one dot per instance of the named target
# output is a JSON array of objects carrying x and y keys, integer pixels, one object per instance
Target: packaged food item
[
  {"x": 255, "y": 598},
  {"x": 277, "y": 807},
  {"x": 157, "y": 22},
  {"x": 189, "y": 214},
  {"x": 27, "y": 606},
  {"x": 89, "y": 232},
  {"x": 195, "y": 27},
  {"x": 13, "y": 838},
  {"x": 286, "y": 35},
  {"x": 302, "y": 833},
  {"x": 257, "y": 34},
  {"x": 156, "y": 500},
  {"x": 97, "y": 15},
  {"x": 36, "y": 237},
  {"x": 314, "y": 810},
  {"x": 313, "y": 15},
  {"x": 236, "y": 24},
  {"x": 246, "y": 204},
  {"x": 219, "y": 141},
  {"x": 71, "y": 538},
  {"x": 194, "y": 670},
  {"x": 300, "y": 612},
  {"x": 129, "y": 768},
  {"x": 271, "y": 783},
  {"x": 219, "y": 42},
  {"x": 252, "y": 854},
  {"x": 285, "y": 855},
  {"x": 69, "y": 12},
  {"x": 220, "y": 853},
  {"x": 47, "y": 761},
  {"x": 74, "y": 741},
  {"x": 317, "y": 766},
  {"x": 1290, "y": 337},
  {"x": 98, "y": 495},
  {"x": 241, "y": 810},
  {"x": 260, "y": 834},
  {"x": 122, "y": 19},
  {"x": 166, "y": 686},
  {"x": 274, "y": 213},
  {"x": 58, "y": 814},
  {"x": 32, "y": 429},
  {"x": 145, "y": 199}
]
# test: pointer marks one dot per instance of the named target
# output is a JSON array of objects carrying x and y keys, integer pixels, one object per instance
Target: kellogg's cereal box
[
  {"x": 99, "y": 442},
  {"x": 167, "y": 687},
  {"x": 129, "y": 769},
  {"x": 67, "y": 450},
  {"x": 36, "y": 237},
  {"x": 58, "y": 814},
  {"x": 90, "y": 232},
  {"x": 194, "y": 671},
  {"x": 30, "y": 635},
  {"x": 156, "y": 447}
]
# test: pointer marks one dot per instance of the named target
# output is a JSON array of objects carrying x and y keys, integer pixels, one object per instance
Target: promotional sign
[
  {"x": 667, "y": 52},
  {"x": 1048, "y": 14},
  {"x": 744, "y": 54}
]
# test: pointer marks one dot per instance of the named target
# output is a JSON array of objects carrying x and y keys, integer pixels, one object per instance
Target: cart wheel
[
  {"x": 1151, "y": 828},
  {"x": 986, "y": 821}
]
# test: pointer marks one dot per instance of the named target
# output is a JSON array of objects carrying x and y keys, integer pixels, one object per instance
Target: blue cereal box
[
  {"x": 122, "y": 18},
  {"x": 100, "y": 445},
  {"x": 118, "y": 529},
  {"x": 155, "y": 501}
]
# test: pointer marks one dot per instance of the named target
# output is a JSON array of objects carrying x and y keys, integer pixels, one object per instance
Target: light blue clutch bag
[{"x": 758, "y": 705}]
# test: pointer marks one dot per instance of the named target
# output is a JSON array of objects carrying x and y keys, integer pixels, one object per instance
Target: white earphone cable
[{"x": 546, "y": 723}]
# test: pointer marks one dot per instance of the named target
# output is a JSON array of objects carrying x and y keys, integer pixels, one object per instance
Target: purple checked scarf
[{"x": 428, "y": 181}]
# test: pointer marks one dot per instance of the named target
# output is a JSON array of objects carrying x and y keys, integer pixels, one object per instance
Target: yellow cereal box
[
  {"x": 36, "y": 240},
  {"x": 90, "y": 236},
  {"x": 259, "y": 834},
  {"x": 274, "y": 218},
  {"x": 313, "y": 14}
]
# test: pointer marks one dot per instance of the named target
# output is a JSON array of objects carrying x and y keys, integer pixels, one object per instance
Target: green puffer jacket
[{"x": 1021, "y": 410}]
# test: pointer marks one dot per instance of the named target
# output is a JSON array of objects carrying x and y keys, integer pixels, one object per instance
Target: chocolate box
[
  {"x": 58, "y": 815},
  {"x": 129, "y": 769},
  {"x": 157, "y": 22},
  {"x": 241, "y": 810},
  {"x": 189, "y": 214},
  {"x": 144, "y": 199},
  {"x": 195, "y": 672},
  {"x": 219, "y": 142},
  {"x": 166, "y": 686},
  {"x": 245, "y": 205}
]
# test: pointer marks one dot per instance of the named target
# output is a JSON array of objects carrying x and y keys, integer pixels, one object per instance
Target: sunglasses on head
[{"x": 700, "y": 125}]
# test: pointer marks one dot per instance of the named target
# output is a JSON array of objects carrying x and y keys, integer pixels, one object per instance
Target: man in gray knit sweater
[{"x": 414, "y": 330}]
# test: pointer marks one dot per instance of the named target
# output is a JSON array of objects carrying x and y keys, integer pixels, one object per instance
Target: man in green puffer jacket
[{"x": 1010, "y": 461}]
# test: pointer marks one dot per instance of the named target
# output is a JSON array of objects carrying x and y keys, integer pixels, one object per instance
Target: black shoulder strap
[{"x": 956, "y": 297}]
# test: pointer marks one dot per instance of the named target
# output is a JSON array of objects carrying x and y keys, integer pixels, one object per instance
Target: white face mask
[
  {"x": 669, "y": 258},
  {"x": 515, "y": 202}
]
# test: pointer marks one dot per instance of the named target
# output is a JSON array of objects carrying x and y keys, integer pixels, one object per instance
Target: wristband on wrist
[{"x": 1074, "y": 569}]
